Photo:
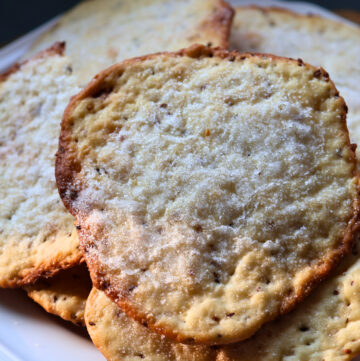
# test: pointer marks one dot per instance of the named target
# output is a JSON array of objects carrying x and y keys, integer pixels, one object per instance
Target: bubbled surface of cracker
[
  {"x": 326, "y": 327},
  {"x": 65, "y": 294},
  {"x": 318, "y": 41},
  {"x": 119, "y": 337},
  {"x": 37, "y": 236},
  {"x": 212, "y": 189},
  {"x": 99, "y": 33}
]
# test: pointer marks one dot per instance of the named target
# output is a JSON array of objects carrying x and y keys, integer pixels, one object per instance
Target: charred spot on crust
[
  {"x": 73, "y": 194},
  {"x": 78, "y": 227},
  {"x": 303, "y": 328},
  {"x": 335, "y": 292},
  {"x": 317, "y": 73},
  {"x": 103, "y": 92}
]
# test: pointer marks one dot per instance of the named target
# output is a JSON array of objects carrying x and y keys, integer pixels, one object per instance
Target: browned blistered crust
[
  {"x": 219, "y": 24},
  {"x": 67, "y": 167},
  {"x": 30, "y": 275},
  {"x": 57, "y": 48}
]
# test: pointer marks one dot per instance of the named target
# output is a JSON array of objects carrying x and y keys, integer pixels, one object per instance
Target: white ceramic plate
[{"x": 27, "y": 332}]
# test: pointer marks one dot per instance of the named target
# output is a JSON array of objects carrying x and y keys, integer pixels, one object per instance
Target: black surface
[{"x": 17, "y": 17}]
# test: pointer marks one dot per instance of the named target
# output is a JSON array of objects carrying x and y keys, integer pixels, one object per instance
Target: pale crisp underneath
[
  {"x": 65, "y": 294},
  {"x": 37, "y": 235},
  {"x": 322, "y": 42},
  {"x": 211, "y": 193},
  {"x": 326, "y": 327},
  {"x": 120, "y": 338},
  {"x": 99, "y": 33}
]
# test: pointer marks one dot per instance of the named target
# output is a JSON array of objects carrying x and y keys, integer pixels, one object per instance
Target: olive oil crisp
[
  {"x": 212, "y": 190},
  {"x": 37, "y": 235}
]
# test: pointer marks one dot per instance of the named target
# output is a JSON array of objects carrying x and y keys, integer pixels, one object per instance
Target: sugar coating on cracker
[
  {"x": 324, "y": 327},
  {"x": 37, "y": 236},
  {"x": 318, "y": 41},
  {"x": 213, "y": 189}
]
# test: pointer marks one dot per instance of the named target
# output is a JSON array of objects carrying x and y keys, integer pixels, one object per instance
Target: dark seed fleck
[
  {"x": 230, "y": 314},
  {"x": 304, "y": 328},
  {"x": 92, "y": 323}
]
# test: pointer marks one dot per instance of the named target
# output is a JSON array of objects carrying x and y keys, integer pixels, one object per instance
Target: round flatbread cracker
[
  {"x": 37, "y": 235},
  {"x": 65, "y": 294},
  {"x": 212, "y": 190}
]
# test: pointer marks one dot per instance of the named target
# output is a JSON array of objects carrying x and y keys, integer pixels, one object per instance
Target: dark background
[{"x": 20, "y": 16}]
